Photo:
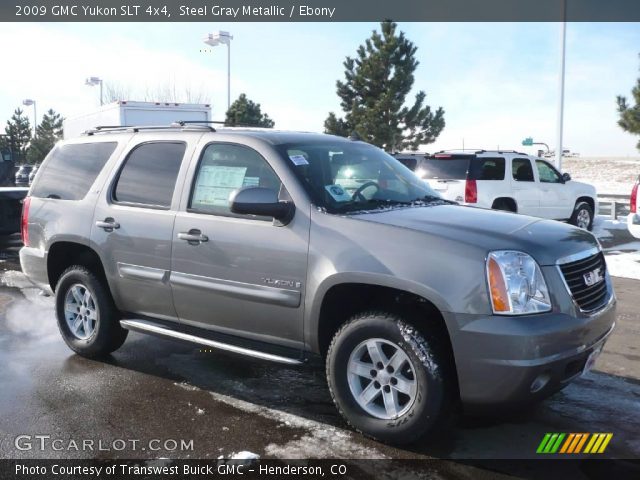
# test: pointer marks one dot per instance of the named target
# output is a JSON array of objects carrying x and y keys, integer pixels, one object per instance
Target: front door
[
  {"x": 238, "y": 274},
  {"x": 554, "y": 195}
]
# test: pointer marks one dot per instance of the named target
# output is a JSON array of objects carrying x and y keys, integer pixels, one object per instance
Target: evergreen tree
[
  {"x": 373, "y": 95},
  {"x": 245, "y": 112},
  {"x": 630, "y": 115},
  {"x": 47, "y": 134},
  {"x": 18, "y": 132}
]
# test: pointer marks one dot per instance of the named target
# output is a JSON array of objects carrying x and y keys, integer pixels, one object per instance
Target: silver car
[{"x": 282, "y": 245}]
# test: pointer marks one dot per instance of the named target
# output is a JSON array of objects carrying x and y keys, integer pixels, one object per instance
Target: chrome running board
[{"x": 156, "y": 329}]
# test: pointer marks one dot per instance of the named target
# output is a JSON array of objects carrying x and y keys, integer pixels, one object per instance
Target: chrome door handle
[
  {"x": 108, "y": 224},
  {"x": 193, "y": 236}
]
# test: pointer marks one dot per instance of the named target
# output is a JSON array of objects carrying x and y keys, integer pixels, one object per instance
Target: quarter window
[
  {"x": 225, "y": 168},
  {"x": 71, "y": 169},
  {"x": 521, "y": 170},
  {"x": 149, "y": 174}
]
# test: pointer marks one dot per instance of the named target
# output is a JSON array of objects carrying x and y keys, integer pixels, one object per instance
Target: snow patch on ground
[
  {"x": 322, "y": 441},
  {"x": 622, "y": 260},
  {"x": 624, "y": 263},
  {"x": 602, "y": 226}
]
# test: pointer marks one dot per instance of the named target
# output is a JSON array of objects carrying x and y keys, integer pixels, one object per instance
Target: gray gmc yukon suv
[{"x": 282, "y": 245}]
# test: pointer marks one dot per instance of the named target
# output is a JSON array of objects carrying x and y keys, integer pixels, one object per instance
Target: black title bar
[{"x": 320, "y": 10}]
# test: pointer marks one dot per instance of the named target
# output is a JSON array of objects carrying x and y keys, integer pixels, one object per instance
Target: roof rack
[
  {"x": 137, "y": 128},
  {"x": 479, "y": 150},
  {"x": 179, "y": 124}
]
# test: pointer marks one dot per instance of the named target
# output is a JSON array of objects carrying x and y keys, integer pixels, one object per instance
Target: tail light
[
  {"x": 634, "y": 198},
  {"x": 24, "y": 221},
  {"x": 471, "y": 191}
]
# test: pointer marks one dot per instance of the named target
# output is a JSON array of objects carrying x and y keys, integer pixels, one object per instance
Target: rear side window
[
  {"x": 149, "y": 175},
  {"x": 522, "y": 170},
  {"x": 71, "y": 170}
]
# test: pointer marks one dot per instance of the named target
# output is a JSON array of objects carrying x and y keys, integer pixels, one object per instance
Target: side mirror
[
  {"x": 261, "y": 201},
  {"x": 566, "y": 177}
]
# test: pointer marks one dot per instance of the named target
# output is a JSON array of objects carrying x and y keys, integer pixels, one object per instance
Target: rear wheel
[
  {"x": 388, "y": 380},
  {"x": 582, "y": 216},
  {"x": 87, "y": 317}
]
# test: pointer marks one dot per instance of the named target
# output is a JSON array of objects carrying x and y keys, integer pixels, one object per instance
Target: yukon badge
[
  {"x": 274, "y": 282},
  {"x": 593, "y": 277}
]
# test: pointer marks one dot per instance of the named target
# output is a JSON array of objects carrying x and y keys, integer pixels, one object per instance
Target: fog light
[{"x": 540, "y": 382}]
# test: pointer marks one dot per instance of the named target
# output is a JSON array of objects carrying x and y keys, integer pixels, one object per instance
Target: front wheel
[
  {"x": 87, "y": 317},
  {"x": 582, "y": 216},
  {"x": 387, "y": 380}
]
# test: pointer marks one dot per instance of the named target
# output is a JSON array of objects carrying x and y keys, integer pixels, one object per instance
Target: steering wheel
[{"x": 358, "y": 193}]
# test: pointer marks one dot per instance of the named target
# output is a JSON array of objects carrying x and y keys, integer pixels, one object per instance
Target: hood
[{"x": 544, "y": 240}]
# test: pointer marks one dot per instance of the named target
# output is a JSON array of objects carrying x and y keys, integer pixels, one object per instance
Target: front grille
[{"x": 588, "y": 297}]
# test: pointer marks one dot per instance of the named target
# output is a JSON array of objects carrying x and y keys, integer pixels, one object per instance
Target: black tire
[
  {"x": 582, "y": 208},
  {"x": 503, "y": 205},
  {"x": 107, "y": 335},
  {"x": 433, "y": 402}
]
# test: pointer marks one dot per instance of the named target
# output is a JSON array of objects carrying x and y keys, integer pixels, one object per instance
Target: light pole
[
  {"x": 214, "y": 39},
  {"x": 92, "y": 82},
  {"x": 563, "y": 40},
  {"x": 27, "y": 103}
]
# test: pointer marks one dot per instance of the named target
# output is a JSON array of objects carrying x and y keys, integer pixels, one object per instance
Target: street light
[
  {"x": 27, "y": 103},
  {"x": 215, "y": 39},
  {"x": 92, "y": 82},
  {"x": 563, "y": 41}
]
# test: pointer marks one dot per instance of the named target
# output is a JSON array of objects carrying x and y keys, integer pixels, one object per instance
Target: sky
[{"x": 497, "y": 82}]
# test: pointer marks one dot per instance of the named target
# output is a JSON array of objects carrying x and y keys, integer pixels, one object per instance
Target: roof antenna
[{"x": 354, "y": 137}]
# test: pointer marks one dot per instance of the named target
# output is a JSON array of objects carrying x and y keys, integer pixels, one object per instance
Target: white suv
[{"x": 507, "y": 180}]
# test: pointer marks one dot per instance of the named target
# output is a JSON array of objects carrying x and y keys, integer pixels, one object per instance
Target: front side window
[
  {"x": 521, "y": 170},
  {"x": 225, "y": 168},
  {"x": 149, "y": 175},
  {"x": 345, "y": 177},
  {"x": 547, "y": 173},
  {"x": 71, "y": 169}
]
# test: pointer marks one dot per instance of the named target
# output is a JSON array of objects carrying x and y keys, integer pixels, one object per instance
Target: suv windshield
[{"x": 351, "y": 178}]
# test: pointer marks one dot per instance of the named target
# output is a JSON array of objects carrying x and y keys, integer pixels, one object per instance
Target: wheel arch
[
  {"x": 510, "y": 200},
  {"x": 62, "y": 254}
]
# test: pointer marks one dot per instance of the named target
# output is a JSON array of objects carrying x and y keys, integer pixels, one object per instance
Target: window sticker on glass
[
  {"x": 298, "y": 160},
  {"x": 251, "y": 182},
  {"x": 215, "y": 184},
  {"x": 338, "y": 193}
]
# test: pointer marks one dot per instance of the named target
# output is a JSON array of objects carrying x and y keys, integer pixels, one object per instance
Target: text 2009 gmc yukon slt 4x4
[{"x": 279, "y": 245}]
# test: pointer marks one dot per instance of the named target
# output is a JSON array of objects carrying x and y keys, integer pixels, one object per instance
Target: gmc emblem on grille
[{"x": 593, "y": 277}]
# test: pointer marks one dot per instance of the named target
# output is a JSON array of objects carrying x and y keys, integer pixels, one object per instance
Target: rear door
[
  {"x": 555, "y": 199},
  {"x": 133, "y": 222},
  {"x": 524, "y": 186},
  {"x": 238, "y": 274}
]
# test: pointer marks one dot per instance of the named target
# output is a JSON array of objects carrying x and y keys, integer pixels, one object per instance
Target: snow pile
[{"x": 623, "y": 260}]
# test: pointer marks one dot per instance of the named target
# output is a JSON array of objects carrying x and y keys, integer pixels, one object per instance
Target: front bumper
[{"x": 515, "y": 360}]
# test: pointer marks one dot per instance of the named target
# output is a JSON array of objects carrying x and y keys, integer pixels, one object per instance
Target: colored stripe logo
[{"x": 574, "y": 443}]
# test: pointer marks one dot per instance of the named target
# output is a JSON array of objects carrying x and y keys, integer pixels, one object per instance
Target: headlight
[{"x": 516, "y": 284}]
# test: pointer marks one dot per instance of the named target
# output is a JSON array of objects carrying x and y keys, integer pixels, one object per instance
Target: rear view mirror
[
  {"x": 566, "y": 177},
  {"x": 261, "y": 201}
]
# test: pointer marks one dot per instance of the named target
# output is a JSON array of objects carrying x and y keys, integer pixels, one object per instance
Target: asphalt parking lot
[{"x": 157, "y": 389}]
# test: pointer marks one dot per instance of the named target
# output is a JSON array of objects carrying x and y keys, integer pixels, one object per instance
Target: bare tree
[{"x": 164, "y": 92}]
